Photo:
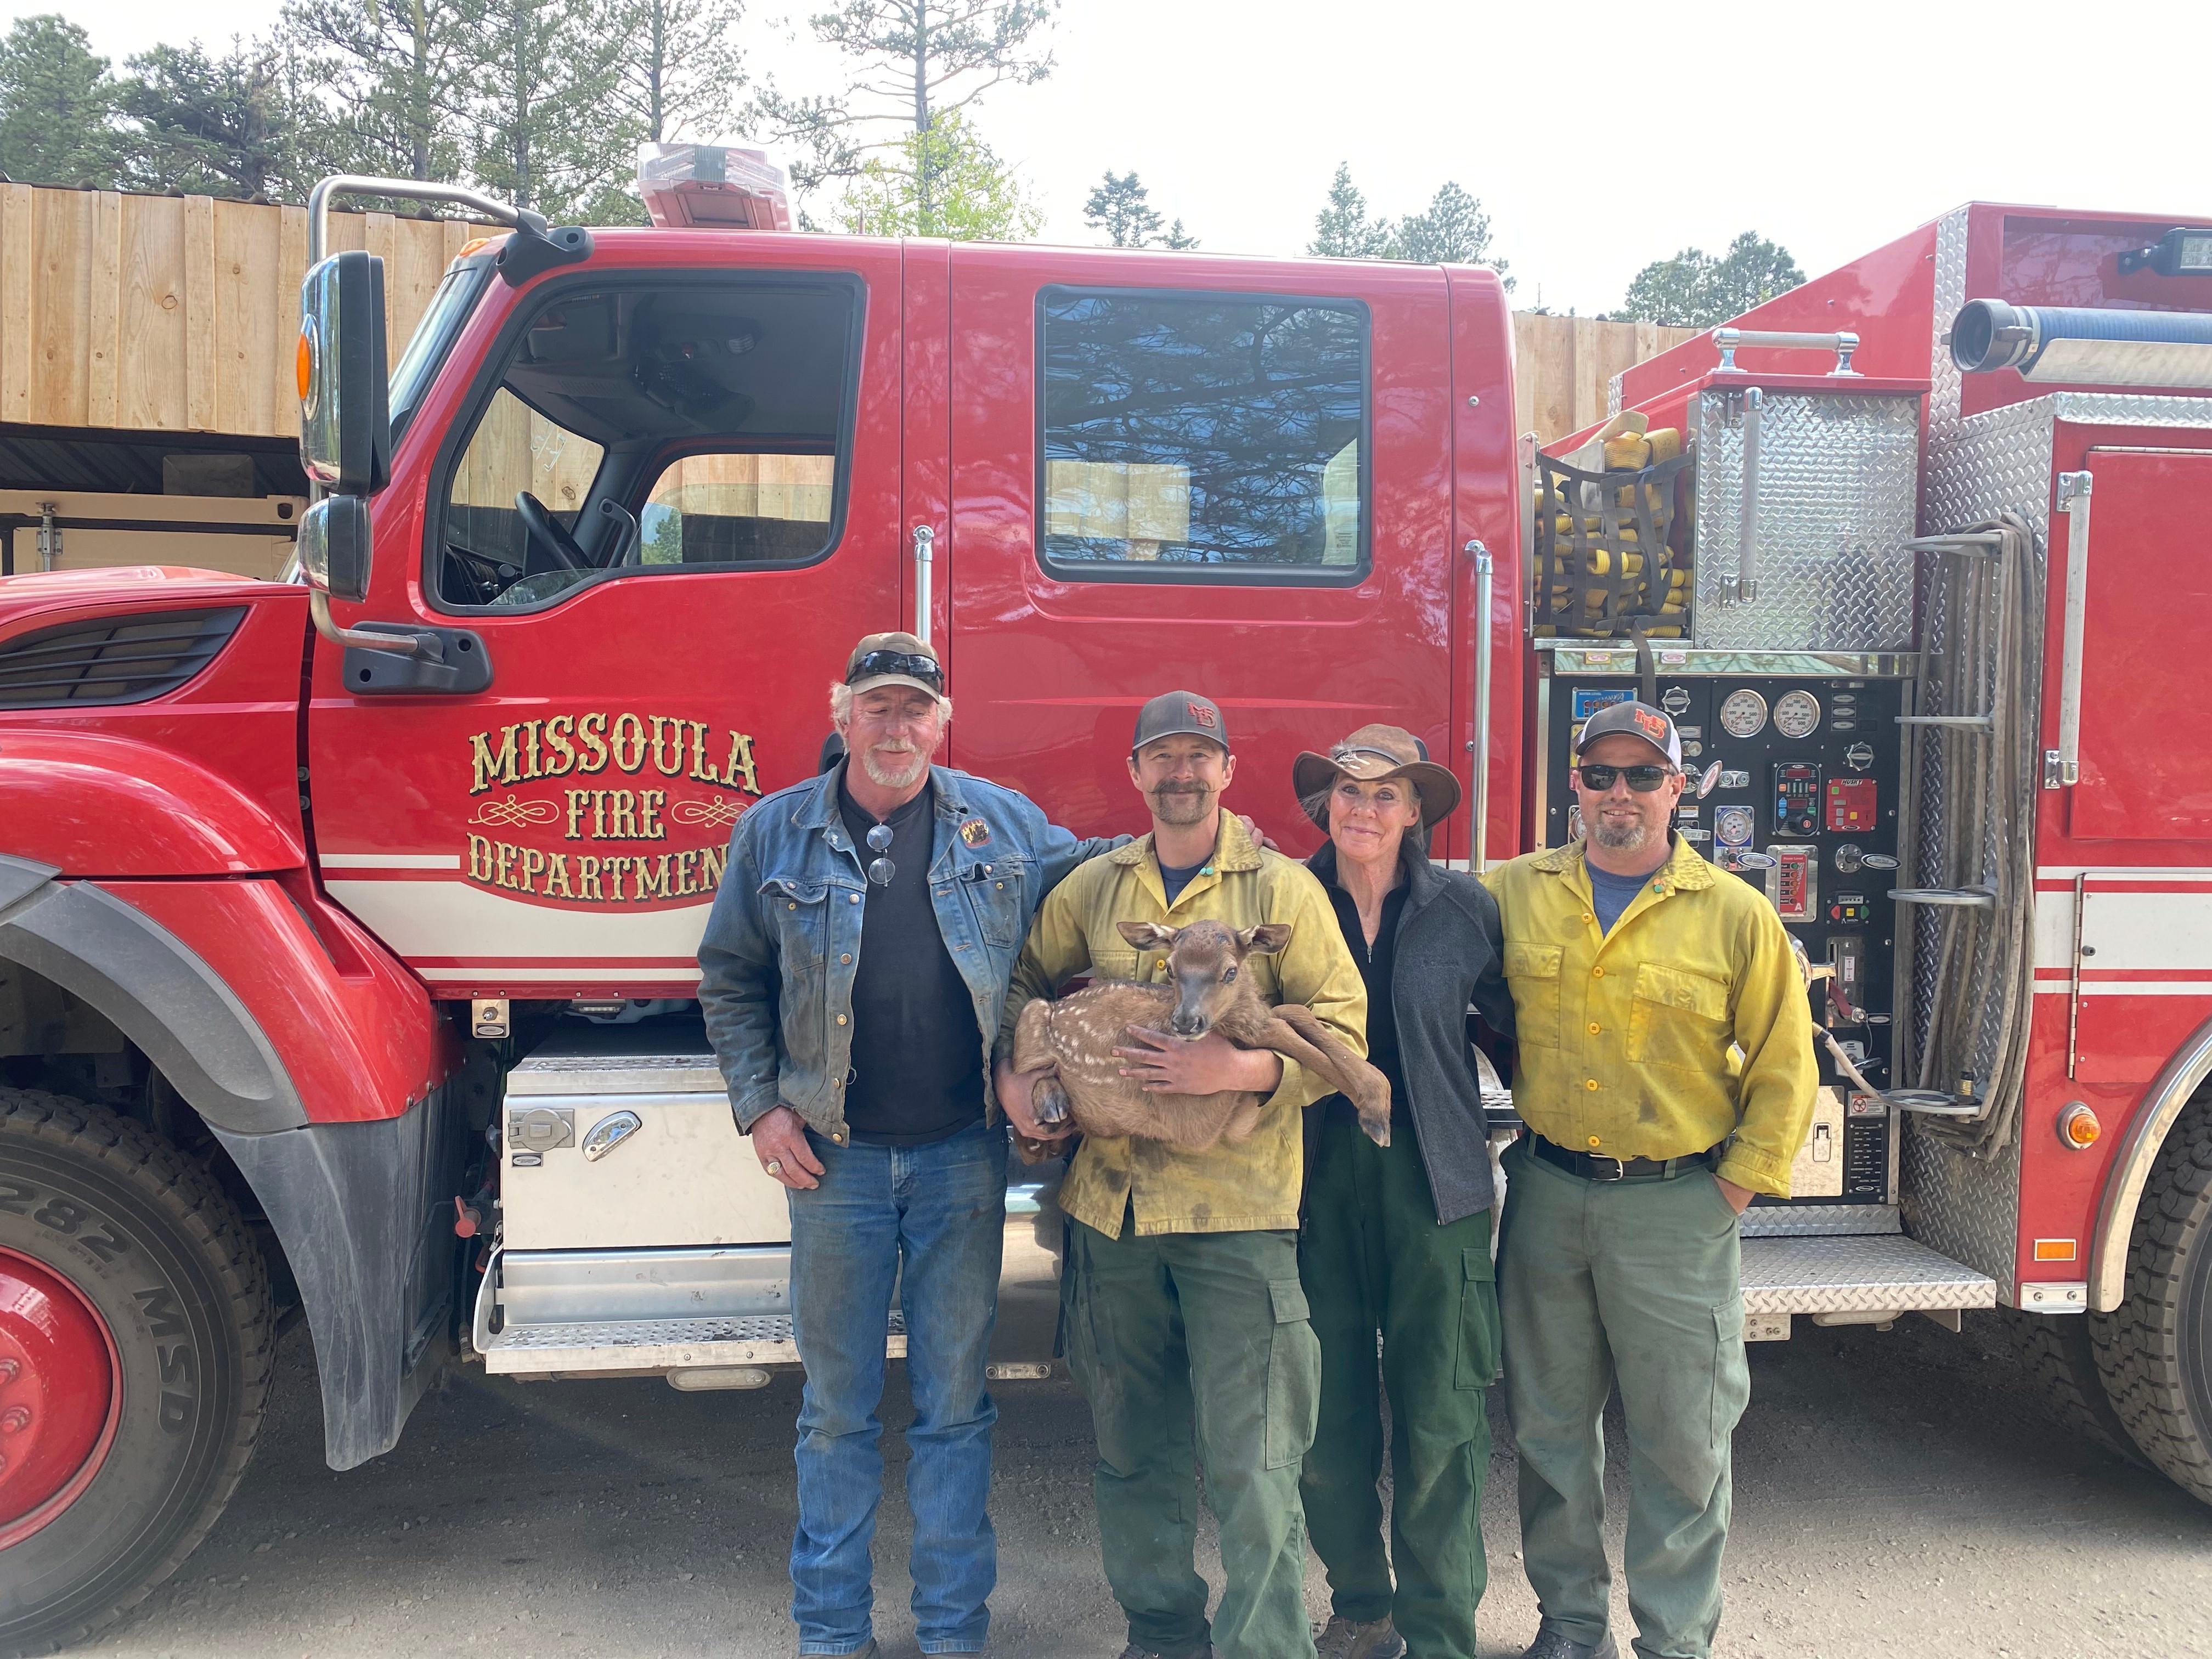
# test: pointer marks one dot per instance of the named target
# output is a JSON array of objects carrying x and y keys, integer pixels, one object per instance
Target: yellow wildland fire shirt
[
  {"x": 1254, "y": 1184},
  {"x": 1686, "y": 1024}
]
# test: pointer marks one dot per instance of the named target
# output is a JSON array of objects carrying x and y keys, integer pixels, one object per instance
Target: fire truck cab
[{"x": 347, "y": 926}]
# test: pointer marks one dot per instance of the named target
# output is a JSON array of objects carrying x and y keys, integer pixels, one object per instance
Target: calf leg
[
  {"x": 1033, "y": 1052},
  {"x": 1297, "y": 1032}
]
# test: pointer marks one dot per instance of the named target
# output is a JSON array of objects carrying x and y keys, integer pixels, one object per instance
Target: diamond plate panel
[
  {"x": 1815, "y": 1220},
  {"x": 1855, "y": 1275},
  {"x": 1838, "y": 481},
  {"x": 1950, "y": 294}
]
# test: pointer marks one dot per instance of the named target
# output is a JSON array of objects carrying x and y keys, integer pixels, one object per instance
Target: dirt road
[{"x": 1896, "y": 1494}]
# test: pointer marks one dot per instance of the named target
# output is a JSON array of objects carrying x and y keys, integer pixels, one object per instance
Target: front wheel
[
  {"x": 2154, "y": 1351},
  {"x": 135, "y": 1345}
]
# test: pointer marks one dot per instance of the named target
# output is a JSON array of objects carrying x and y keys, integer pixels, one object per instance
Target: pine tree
[
  {"x": 1696, "y": 289},
  {"x": 1452, "y": 231},
  {"x": 392, "y": 75},
  {"x": 215, "y": 126},
  {"x": 914, "y": 62},
  {"x": 682, "y": 68},
  {"x": 1118, "y": 206},
  {"x": 1342, "y": 229},
  {"x": 57, "y": 106},
  {"x": 540, "y": 134}
]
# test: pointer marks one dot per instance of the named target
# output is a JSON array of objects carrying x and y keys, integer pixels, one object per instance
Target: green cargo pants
[
  {"x": 1375, "y": 1261},
  {"x": 1197, "y": 1336},
  {"x": 1633, "y": 1282}
]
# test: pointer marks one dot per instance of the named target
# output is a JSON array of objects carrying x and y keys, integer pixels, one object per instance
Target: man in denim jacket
[{"x": 864, "y": 1079}]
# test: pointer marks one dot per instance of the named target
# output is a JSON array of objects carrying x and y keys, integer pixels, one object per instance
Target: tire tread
[
  {"x": 2139, "y": 1346},
  {"x": 188, "y": 1195}
]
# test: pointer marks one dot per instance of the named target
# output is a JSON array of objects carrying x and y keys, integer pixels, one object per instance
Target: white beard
[{"x": 892, "y": 777}]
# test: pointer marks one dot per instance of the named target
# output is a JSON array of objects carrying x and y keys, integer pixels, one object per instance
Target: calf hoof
[
  {"x": 1376, "y": 1129},
  {"x": 1048, "y": 1103}
]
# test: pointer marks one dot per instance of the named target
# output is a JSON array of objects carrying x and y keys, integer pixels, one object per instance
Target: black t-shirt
[
  {"x": 1377, "y": 967},
  {"x": 917, "y": 1056}
]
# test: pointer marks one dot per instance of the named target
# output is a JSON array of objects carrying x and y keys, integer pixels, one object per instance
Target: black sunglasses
[
  {"x": 924, "y": 669},
  {"x": 1642, "y": 778}
]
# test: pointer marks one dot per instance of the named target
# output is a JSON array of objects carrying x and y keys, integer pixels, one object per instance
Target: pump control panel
[
  {"x": 1793, "y": 791},
  {"x": 1796, "y": 798}
]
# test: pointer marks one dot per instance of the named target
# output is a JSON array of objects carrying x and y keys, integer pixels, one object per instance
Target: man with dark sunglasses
[
  {"x": 854, "y": 967},
  {"x": 1666, "y": 1076}
]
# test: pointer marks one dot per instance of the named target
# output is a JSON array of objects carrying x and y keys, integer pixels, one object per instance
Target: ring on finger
[{"x": 774, "y": 1166}]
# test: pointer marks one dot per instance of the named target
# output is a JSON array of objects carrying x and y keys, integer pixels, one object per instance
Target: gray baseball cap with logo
[
  {"x": 1179, "y": 714},
  {"x": 1636, "y": 719}
]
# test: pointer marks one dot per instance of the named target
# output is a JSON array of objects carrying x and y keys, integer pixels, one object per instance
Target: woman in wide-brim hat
[{"x": 1397, "y": 1238}]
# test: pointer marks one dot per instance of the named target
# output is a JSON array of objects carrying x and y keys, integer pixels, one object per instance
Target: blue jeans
[{"x": 931, "y": 1221}]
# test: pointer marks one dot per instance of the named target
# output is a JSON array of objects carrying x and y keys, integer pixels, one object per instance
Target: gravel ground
[{"x": 1897, "y": 1494}]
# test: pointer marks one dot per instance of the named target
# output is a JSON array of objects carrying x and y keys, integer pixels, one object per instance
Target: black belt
[{"x": 1594, "y": 1166}]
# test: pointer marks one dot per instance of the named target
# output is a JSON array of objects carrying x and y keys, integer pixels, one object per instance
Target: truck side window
[
  {"x": 736, "y": 508},
  {"x": 1203, "y": 437},
  {"x": 652, "y": 428}
]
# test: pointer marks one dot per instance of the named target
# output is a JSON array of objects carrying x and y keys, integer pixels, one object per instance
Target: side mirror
[
  {"x": 334, "y": 547},
  {"x": 345, "y": 410}
]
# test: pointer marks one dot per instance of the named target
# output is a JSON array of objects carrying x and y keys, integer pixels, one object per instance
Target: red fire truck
[{"x": 347, "y": 926}]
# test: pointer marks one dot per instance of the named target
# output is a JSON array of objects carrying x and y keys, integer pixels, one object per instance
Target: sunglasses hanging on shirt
[{"x": 881, "y": 869}]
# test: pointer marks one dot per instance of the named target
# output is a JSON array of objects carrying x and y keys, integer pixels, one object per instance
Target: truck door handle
[
  {"x": 2062, "y": 767},
  {"x": 924, "y": 550}
]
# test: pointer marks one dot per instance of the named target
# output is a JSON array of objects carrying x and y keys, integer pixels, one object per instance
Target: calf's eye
[{"x": 1228, "y": 974}]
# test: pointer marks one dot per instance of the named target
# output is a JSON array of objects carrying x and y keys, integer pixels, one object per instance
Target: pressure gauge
[
  {"x": 1797, "y": 715},
  {"x": 1743, "y": 713},
  {"x": 1733, "y": 826}
]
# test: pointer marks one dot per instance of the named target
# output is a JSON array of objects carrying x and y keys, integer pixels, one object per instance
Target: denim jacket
[{"x": 783, "y": 942}]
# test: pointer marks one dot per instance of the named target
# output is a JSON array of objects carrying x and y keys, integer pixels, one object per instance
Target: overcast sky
[{"x": 1599, "y": 136}]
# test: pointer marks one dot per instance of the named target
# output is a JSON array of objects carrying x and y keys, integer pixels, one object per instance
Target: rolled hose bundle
[{"x": 2083, "y": 346}]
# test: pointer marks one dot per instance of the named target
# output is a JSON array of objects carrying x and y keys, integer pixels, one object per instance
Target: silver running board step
[
  {"x": 1853, "y": 1280},
  {"x": 650, "y": 1345}
]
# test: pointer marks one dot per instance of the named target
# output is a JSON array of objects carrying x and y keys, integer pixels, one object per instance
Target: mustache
[{"x": 1182, "y": 789}]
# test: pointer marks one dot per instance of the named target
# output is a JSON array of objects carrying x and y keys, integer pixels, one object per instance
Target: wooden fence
[{"x": 178, "y": 313}]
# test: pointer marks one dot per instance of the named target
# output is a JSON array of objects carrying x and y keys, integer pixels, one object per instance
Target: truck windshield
[{"x": 434, "y": 334}]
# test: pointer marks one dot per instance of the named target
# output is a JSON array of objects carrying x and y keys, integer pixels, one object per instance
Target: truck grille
[{"x": 112, "y": 659}]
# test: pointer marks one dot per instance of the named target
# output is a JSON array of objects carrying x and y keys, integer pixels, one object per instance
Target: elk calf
[{"x": 1073, "y": 1041}]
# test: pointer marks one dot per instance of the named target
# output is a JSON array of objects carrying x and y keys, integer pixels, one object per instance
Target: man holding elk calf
[{"x": 1185, "y": 1317}]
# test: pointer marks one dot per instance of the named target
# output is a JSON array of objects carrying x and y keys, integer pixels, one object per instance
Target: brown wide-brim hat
[{"x": 1371, "y": 755}]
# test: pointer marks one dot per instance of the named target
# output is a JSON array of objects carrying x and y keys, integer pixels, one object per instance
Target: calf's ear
[
  {"x": 1147, "y": 935},
  {"x": 1267, "y": 938}
]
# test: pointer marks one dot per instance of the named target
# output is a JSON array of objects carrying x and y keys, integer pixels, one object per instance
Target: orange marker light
[
  {"x": 2078, "y": 1127},
  {"x": 2054, "y": 1249},
  {"x": 303, "y": 365}
]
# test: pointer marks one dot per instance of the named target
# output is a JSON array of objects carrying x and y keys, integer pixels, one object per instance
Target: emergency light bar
[
  {"x": 713, "y": 187},
  {"x": 2078, "y": 346}
]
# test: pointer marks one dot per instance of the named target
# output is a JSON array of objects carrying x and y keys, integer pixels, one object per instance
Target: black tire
[
  {"x": 2154, "y": 1351},
  {"x": 150, "y": 1242},
  {"x": 2057, "y": 1353}
]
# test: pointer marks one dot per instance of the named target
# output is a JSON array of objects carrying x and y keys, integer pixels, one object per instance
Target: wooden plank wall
[
  {"x": 1563, "y": 365},
  {"x": 168, "y": 313},
  {"x": 177, "y": 313}
]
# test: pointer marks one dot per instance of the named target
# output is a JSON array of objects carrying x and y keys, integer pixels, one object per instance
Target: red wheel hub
[{"x": 59, "y": 1394}]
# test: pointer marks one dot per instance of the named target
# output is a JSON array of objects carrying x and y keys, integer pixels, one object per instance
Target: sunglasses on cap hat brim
[{"x": 874, "y": 665}]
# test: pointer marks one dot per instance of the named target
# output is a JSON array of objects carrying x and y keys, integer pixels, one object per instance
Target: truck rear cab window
[
  {"x": 654, "y": 429},
  {"x": 1203, "y": 437}
]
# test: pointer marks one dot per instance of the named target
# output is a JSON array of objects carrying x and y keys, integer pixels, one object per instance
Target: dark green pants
[
  {"x": 1633, "y": 1283},
  {"x": 1376, "y": 1262},
  {"x": 1203, "y": 1337}
]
